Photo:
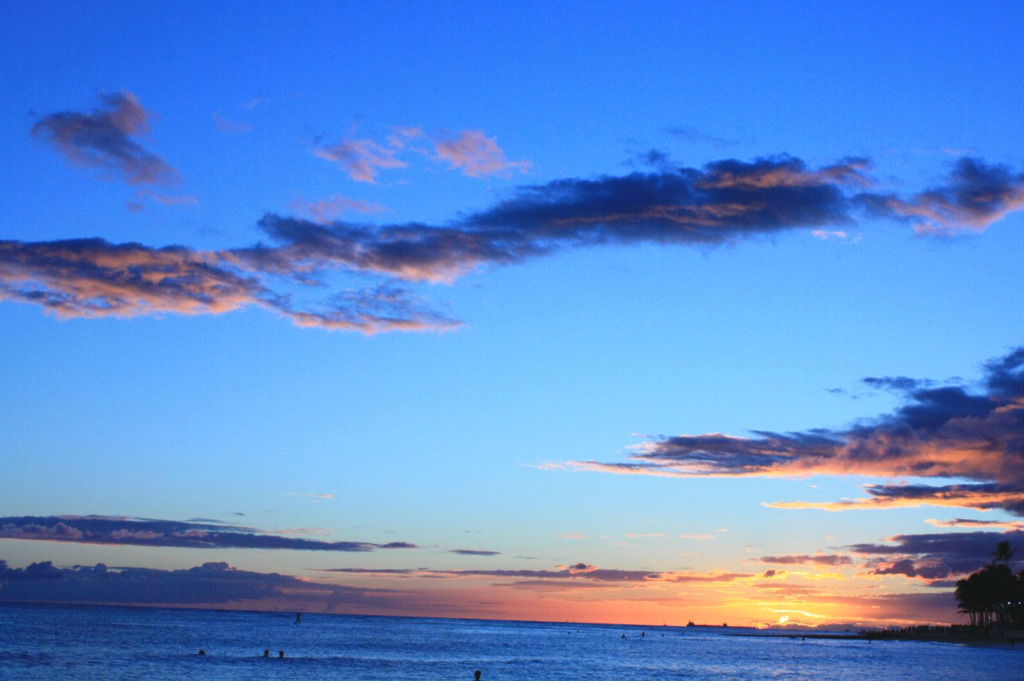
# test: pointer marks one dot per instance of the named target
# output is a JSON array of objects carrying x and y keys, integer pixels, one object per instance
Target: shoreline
[{"x": 933, "y": 634}]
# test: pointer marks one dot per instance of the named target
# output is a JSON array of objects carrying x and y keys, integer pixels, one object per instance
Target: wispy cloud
[
  {"x": 315, "y": 496},
  {"x": 940, "y": 432},
  {"x": 105, "y": 139},
  {"x": 829, "y": 234},
  {"x": 231, "y": 127},
  {"x": 327, "y": 210},
  {"x": 831, "y": 560},
  {"x": 575, "y": 571},
  {"x": 691, "y": 134},
  {"x": 476, "y": 155},
  {"x": 167, "y": 200},
  {"x": 973, "y": 522},
  {"x": 146, "y": 532},
  {"x": 362, "y": 159},
  {"x": 469, "y": 151}
]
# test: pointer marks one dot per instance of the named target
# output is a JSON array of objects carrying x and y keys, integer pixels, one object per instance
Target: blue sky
[{"x": 438, "y": 275}]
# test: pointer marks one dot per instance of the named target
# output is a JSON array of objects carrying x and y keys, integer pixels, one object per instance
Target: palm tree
[
  {"x": 992, "y": 594},
  {"x": 1003, "y": 553},
  {"x": 968, "y": 598}
]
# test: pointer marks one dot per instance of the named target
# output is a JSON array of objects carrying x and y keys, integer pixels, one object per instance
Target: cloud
[
  {"x": 945, "y": 432},
  {"x": 94, "y": 278},
  {"x": 980, "y": 497},
  {"x": 972, "y": 522},
  {"x": 104, "y": 140},
  {"x": 168, "y": 200},
  {"x": 361, "y": 159},
  {"x": 724, "y": 202},
  {"x": 211, "y": 584},
  {"x": 229, "y": 126},
  {"x": 469, "y": 151},
  {"x": 327, "y": 210},
  {"x": 316, "y": 496},
  {"x": 691, "y": 134},
  {"x": 829, "y": 235},
  {"x": 713, "y": 577},
  {"x": 897, "y": 384},
  {"x": 728, "y": 200},
  {"x": 487, "y": 594},
  {"x": 975, "y": 195},
  {"x": 934, "y": 557},
  {"x": 576, "y": 571},
  {"x": 140, "y": 532},
  {"x": 832, "y": 560},
  {"x": 476, "y": 155},
  {"x": 475, "y": 552}
]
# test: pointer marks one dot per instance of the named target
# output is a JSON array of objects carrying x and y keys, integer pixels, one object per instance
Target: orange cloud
[
  {"x": 944, "y": 432},
  {"x": 94, "y": 278}
]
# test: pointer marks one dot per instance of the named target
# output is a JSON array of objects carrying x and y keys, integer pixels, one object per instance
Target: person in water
[{"x": 476, "y": 675}]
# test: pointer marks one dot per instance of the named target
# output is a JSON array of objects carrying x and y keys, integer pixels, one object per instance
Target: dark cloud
[
  {"x": 411, "y": 251},
  {"x": 475, "y": 552},
  {"x": 693, "y": 135},
  {"x": 712, "y": 577},
  {"x": 725, "y": 201},
  {"x": 940, "y": 432},
  {"x": 137, "y": 532},
  {"x": 829, "y": 559},
  {"x": 975, "y": 522},
  {"x": 579, "y": 571},
  {"x": 980, "y": 496},
  {"x": 975, "y": 195},
  {"x": 937, "y": 556},
  {"x": 103, "y": 139},
  {"x": 211, "y": 584},
  {"x": 1004, "y": 376},
  {"x": 899, "y": 384}
]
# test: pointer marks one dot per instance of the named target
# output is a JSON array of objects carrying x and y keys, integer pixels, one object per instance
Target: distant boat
[{"x": 690, "y": 624}]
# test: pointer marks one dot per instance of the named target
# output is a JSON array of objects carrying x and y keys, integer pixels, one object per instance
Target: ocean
[{"x": 85, "y": 642}]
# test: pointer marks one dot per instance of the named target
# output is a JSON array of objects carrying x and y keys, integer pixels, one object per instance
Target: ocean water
[{"x": 57, "y": 642}]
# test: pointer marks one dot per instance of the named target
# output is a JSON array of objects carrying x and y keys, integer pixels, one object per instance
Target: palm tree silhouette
[{"x": 1003, "y": 553}]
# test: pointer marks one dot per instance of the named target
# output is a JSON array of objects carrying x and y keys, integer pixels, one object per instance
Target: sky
[{"x": 638, "y": 313}]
